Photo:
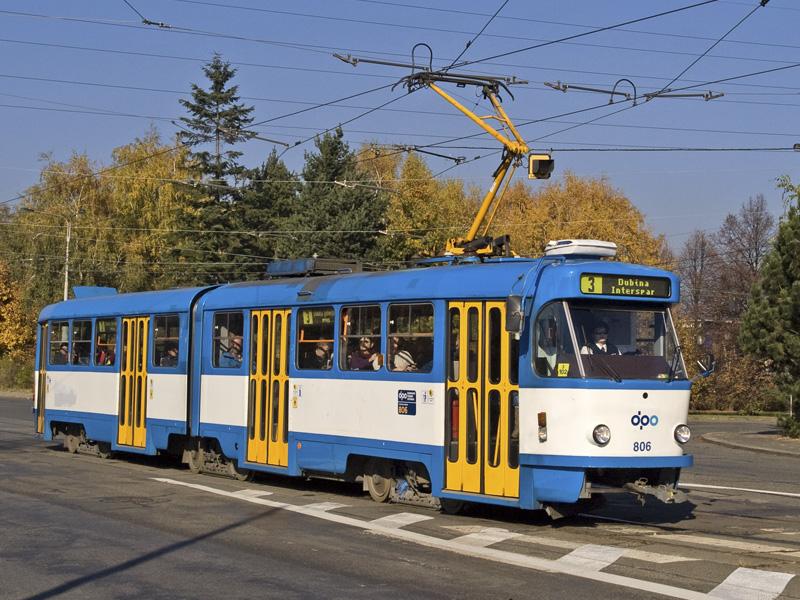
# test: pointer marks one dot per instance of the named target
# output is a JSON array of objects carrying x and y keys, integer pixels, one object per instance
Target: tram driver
[{"x": 600, "y": 343}]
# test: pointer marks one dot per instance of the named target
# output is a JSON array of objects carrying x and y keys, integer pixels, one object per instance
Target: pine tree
[
  {"x": 771, "y": 324},
  {"x": 340, "y": 220},
  {"x": 265, "y": 206},
  {"x": 218, "y": 118}
]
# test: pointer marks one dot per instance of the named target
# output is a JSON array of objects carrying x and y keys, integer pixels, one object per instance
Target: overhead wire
[{"x": 477, "y": 35}]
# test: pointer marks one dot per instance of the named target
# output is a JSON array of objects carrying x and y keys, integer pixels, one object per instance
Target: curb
[{"x": 709, "y": 437}]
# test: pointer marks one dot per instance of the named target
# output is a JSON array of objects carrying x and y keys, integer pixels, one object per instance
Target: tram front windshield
[{"x": 606, "y": 341}]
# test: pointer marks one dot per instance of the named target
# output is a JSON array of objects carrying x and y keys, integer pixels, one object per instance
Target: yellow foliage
[
  {"x": 16, "y": 323},
  {"x": 577, "y": 207},
  {"x": 424, "y": 213}
]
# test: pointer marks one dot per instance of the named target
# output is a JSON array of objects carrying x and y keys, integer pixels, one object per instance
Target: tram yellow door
[
  {"x": 481, "y": 415},
  {"x": 268, "y": 392},
  {"x": 132, "y": 430},
  {"x": 41, "y": 384}
]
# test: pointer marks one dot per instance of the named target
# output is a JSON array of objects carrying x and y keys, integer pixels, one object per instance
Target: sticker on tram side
[
  {"x": 406, "y": 402},
  {"x": 563, "y": 369}
]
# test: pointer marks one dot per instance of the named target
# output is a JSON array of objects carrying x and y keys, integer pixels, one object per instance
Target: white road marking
[
  {"x": 730, "y": 544},
  {"x": 653, "y": 557},
  {"x": 749, "y": 584},
  {"x": 492, "y": 554},
  {"x": 252, "y": 493},
  {"x": 486, "y": 537},
  {"x": 737, "y": 489},
  {"x": 400, "y": 520},
  {"x": 324, "y": 506},
  {"x": 591, "y": 556}
]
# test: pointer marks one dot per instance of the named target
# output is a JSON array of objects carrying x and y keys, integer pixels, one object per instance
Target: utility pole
[{"x": 66, "y": 261}]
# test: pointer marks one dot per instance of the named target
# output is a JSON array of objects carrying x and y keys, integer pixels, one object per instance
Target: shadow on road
[{"x": 134, "y": 562}]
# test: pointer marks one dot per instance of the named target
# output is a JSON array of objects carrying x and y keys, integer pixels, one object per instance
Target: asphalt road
[{"x": 79, "y": 526}]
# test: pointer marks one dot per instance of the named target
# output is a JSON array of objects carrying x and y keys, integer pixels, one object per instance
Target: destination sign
[{"x": 625, "y": 285}]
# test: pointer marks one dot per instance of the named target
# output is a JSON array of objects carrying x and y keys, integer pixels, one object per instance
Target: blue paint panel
[
  {"x": 103, "y": 428},
  {"x": 611, "y": 462},
  {"x": 100, "y": 427},
  {"x": 341, "y": 447},
  {"x": 557, "y": 485},
  {"x": 232, "y": 438},
  {"x": 496, "y": 500}
]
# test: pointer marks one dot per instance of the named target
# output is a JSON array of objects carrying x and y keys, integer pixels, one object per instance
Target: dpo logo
[{"x": 641, "y": 421}]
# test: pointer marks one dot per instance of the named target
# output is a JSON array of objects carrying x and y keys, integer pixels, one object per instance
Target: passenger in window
[
  {"x": 364, "y": 357},
  {"x": 62, "y": 357},
  {"x": 402, "y": 360},
  {"x": 600, "y": 343},
  {"x": 321, "y": 358},
  {"x": 170, "y": 358},
  {"x": 100, "y": 351},
  {"x": 233, "y": 357}
]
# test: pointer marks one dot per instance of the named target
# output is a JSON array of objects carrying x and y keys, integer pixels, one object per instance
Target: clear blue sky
[{"x": 677, "y": 192}]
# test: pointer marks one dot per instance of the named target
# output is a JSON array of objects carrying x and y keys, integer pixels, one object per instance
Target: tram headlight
[
  {"x": 601, "y": 435},
  {"x": 683, "y": 434}
]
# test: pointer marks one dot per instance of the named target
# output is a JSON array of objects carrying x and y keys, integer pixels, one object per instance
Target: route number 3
[{"x": 642, "y": 446}]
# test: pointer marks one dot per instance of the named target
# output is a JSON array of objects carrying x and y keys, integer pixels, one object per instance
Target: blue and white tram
[{"x": 523, "y": 382}]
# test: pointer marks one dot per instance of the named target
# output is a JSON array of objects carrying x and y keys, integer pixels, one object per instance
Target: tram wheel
[
  {"x": 451, "y": 507},
  {"x": 71, "y": 444},
  {"x": 104, "y": 450},
  {"x": 378, "y": 480},
  {"x": 239, "y": 474}
]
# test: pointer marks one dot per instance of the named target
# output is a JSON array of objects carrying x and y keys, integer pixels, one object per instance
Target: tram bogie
[{"x": 520, "y": 382}]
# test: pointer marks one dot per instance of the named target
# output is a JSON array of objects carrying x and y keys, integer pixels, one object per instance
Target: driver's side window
[{"x": 553, "y": 351}]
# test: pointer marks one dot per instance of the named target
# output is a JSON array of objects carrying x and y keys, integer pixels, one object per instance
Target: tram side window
[
  {"x": 166, "y": 335},
  {"x": 81, "y": 343},
  {"x": 105, "y": 351},
  {"x": 360, "y": 349},
  {"x": 315, "y": 338},
  {"x": 227, "y": 339},
  {"x": 410, "y": 337},
  {"x": 59, "y": 343},
  {"x": 553, "y": 352}
]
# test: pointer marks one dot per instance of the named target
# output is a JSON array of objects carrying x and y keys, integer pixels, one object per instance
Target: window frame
[
  {"x": 51, "y": 329},
  {"x": 534, "y": 340},
  {"x": 97, "y": 320},
  {"x": 214, "y": 338},
  {"x": 410, "y": 336},
  {"x": 176, "y": 340},
  {"x": 334, "y": 346},
  {"x": 72, "y": 355},
  {"x": 344, "y": 338}
]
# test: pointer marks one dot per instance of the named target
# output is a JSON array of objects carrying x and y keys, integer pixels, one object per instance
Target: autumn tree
[
  {"x": 577, "y": 207},
  {"x": 17, "y": 319},
  {"x": 423, "y": 213},
  {"x": 151, "y": 195},
  {"x": 70, "y": 203}
]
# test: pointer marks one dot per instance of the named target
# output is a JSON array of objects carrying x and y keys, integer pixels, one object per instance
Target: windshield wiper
[{"x": 607, "y": 368}]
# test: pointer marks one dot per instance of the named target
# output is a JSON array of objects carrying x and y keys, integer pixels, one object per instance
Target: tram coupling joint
[{"x": 668, "y": 494}]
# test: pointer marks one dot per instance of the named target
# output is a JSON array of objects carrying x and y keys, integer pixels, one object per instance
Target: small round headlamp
[
  {"x": 683, "y": 434},
  {"x": 601, "y": 435}
]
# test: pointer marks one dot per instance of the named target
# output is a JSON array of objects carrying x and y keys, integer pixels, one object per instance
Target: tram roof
[
  {"x": 490, "y": 279},
  {"x": 135, "y": 303}
]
